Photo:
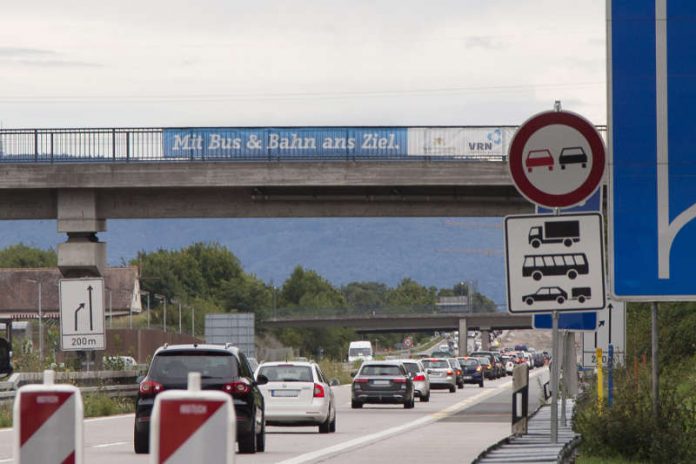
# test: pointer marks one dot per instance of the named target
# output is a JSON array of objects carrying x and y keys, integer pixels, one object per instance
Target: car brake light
[
  {"x": 399, "y": 380},
  {"x": 318, "y": 391},
  {"x": 449, "y": 372},
  {"x": 360, "y": 380},
  {"x": 150, "y": 388},
  {"x": 238, "y": 388},
  {"x": 459, "y": 372},
  {"x": 419, "y": 378}
]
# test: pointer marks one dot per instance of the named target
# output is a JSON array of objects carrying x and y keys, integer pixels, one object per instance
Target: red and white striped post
[
  {"x": 191, "y": 425},
  {"x": 48, "y": 423}
]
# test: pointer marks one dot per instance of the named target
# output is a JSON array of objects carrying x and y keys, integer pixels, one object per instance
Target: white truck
[{"x": 360, "y": 350}]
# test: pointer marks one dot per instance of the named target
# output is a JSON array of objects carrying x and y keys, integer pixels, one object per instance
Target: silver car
[
  {"x": 421, "y": 381},
  {"x": 440, "y": 373},
  {"x": 298, "y": 393}
]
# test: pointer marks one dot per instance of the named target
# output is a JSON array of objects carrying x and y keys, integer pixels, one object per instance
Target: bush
[
  {"x": 97, "y": 405},
  {"x": 628, "y": 429}
]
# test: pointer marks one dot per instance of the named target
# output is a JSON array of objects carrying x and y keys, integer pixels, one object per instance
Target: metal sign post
[{"x": 555, "y": 374}]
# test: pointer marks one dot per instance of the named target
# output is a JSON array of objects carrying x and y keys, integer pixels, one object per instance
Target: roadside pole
[
  {"x": 555, "y": 374},
  {"x": 600, "y": 380},
  {"x": 610, "y": 376},
  {"x": 655, "y": 385},
  {"x": 566, "y": 370}
]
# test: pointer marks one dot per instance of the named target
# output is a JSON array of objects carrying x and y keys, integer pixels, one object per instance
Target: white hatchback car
[{"x": 297, "y": 394}]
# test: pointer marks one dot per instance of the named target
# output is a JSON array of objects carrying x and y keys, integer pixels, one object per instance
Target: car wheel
[
  {"x": 530, "y": 301},
  {"x": 410, "y": 403},
  {"x": 141, "y": 442},
  {"x": 460, "y": 385},
  {"x": 325, "y": 427},
  {"x": 560, "y": 300},
  {"x": 452, "y": 389},
  {"x": 562, "y": 166},
  {"x": 481, "y": 384},
  {"x": 332, "y": 426},
  {"x": 247, "y": 442},
  {"x": 356, "y": 404},
  {"x": 584, "y": 165},
  {"x": 261, "y": 437},
  {"x": 426, "y": 398}
]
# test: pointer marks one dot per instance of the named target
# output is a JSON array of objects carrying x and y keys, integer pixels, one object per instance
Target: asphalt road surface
[{"x": 460, "y": 425}]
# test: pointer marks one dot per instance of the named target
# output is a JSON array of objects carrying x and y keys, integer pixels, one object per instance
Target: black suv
[{"x": 222, "y": 368}]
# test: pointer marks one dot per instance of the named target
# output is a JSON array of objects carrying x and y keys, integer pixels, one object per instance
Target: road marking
[
  {"x": 450, "y": 410},
  {"x": 106, "y": 445}
]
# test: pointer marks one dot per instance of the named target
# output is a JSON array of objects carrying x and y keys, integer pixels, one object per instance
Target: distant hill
[{"x": 432, "y": 251}]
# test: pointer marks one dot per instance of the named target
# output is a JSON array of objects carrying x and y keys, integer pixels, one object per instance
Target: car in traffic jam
[
  {"x": 382, "y": 382},
  {"x": 223, "y": 368}
]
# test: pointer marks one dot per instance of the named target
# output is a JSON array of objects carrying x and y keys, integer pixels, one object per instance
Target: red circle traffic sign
[{"x": 556, "y": 159}]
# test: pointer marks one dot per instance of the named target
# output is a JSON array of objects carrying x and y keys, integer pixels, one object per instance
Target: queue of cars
[{"x": 297, "y": 393}]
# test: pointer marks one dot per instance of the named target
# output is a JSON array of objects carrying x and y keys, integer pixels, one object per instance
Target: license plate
[
  {"x": 467, "y": 377},
  {"x": 285, "y": 393},
  {"x": 438, "y": 374},
  {"x": 381, "y": 382}
]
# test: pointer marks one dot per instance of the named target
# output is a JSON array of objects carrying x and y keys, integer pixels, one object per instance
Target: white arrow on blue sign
[
  {"x": 567, "y": 321},
  {"x": 652, "y": 115}
]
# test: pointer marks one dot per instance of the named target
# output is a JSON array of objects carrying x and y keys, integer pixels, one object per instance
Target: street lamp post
[
  {"x": 145, "y": 292},
  {"x": 179, "y": 317},
  {"x": 40, "y": 308},
  {"x": 193, "y": 321}
]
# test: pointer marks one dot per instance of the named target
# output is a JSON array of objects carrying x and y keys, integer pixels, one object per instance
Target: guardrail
[
  {"x": 271, "y": 144},
  {"x": 111, "y": 383}
]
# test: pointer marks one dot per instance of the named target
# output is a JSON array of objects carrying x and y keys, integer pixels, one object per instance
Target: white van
[{"x": 360, "y": 350}]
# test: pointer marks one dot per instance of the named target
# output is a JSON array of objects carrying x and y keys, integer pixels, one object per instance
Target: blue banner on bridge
[{"x": 305, "y": 143}]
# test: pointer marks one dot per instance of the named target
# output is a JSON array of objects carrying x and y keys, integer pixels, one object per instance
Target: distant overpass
[{"x": 408, "y": 322}]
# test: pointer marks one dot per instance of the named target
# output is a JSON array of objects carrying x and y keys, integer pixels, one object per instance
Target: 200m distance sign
[{"x": 557, "y": 159}]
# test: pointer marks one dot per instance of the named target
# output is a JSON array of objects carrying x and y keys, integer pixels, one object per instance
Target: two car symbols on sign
[
  {"x": 544, "y": 158},
  {"x": 555, "y": 264}
]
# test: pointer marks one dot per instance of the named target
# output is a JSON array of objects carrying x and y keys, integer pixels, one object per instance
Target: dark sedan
[
  {"x": 472, "y": 371},
  {"x": 382, "y": 382}
]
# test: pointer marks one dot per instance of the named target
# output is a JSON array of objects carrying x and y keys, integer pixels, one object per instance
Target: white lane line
[
  {"x": 6, "y": 460},
  {"x": 106, "y": 445},
  {"x": 336, "y": 449}
]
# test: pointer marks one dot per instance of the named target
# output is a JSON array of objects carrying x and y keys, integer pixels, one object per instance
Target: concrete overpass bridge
[
  {"x": 384, "y": 323},
  {"x": 83, "y": 177}
]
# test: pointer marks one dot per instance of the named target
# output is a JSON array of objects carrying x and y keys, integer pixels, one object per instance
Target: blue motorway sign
[
  {"x": 652, "y": 115},
  {"x": 567, "y": 321}
]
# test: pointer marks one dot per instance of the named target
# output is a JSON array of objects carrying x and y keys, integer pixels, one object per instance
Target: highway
[{"x": 460, "y": 424}]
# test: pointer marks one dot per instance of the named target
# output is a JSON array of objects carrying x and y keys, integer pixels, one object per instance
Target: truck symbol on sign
[
  {"x": 566, "y": 232},
  {"x": 569, "y": 264}
]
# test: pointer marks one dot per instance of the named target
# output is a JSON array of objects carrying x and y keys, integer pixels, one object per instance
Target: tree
[
  {"x": 305, "y": 289},
  {"x": 22, "y": 256},
  {"x": 364, "y": 297},
  {"x": 410, "y": 296}
]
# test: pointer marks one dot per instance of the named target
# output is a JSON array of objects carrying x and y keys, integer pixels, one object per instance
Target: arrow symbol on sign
[
  {"x": 82, "y": 305},
  {"x": 601, "y": 323},
  {"x": 91, "y": 325}
]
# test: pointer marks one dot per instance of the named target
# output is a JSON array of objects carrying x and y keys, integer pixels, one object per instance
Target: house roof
[{"x": 19, "y": 290}]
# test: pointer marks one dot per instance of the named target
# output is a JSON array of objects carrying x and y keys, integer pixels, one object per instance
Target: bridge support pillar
[
  {"x": 82, "y": 255},
  {"x": 463, "y": 337},
  {"x": 485, "y": 339}
]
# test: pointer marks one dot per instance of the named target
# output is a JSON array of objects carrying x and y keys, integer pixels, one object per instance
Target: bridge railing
[{"x": 448, "y": 143}]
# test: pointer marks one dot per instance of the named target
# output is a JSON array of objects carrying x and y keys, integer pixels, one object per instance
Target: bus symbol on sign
[{"x": 543, "y": 274}]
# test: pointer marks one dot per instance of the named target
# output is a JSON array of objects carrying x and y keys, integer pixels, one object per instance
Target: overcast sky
[{"x": 231, "y": 63}]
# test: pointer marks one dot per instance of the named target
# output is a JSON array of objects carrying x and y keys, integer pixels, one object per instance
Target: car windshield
[
  {"x": 436, "y": 363},
  {"x": 359, "y": 352},
  {"x": 174, "y": 366},
  {"x": 412, "y": 368},
  {"x": 287, "y": 373},
  {"x": 380, "y": 370},
  {"x": 468, "y": 362},
  {"x": 484, "y": 361}
]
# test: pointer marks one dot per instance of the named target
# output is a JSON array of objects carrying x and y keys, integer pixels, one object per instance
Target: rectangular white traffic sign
[
  {"x": 652, "y": 197},
  {"x": 82, "y": 314},
  {"x": 554, "y": 263},
  {"x": 611, "y": 329}
]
